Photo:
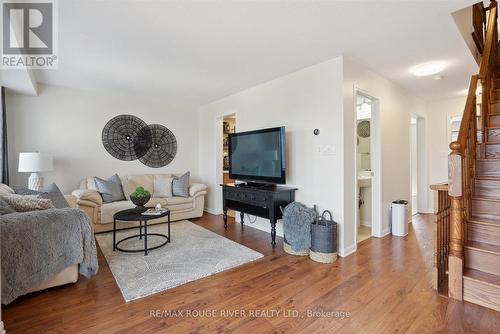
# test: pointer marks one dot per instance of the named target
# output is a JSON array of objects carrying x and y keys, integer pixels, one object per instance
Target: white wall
[
  {"x": 463, "y": 20},
  {"x": 394, "y": 107},
  {"x": 301, "y": 101},
  {"x": 68, "y": 124},
  {"x": 321, "y": 96},
  {"x": 438, "y": 114}
]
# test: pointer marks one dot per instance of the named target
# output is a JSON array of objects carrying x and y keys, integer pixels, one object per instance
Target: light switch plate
[{"x": 325, "y": 149}]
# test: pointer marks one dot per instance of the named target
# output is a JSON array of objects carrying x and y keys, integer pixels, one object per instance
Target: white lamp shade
[{"x": 33, "y": 162}]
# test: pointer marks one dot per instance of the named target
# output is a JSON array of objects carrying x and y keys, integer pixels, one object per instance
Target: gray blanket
[
  {"x": 39, "y": 244},
  {"x": 297, "y": 220}
]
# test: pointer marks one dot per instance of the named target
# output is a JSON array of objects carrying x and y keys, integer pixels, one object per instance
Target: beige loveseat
[{"x": 90, "y": 201}]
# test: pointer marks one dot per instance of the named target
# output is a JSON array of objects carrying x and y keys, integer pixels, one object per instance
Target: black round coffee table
[{"x": 132, "y": 215}]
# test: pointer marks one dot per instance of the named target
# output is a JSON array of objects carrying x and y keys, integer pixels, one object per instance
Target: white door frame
[
  {"x": 422, "y": 165},
  {"x": 376, "y": 165},
  {"x": 218, "y": 158}
]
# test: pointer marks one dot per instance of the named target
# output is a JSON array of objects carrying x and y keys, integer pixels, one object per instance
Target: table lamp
[{"x": 34, "y": 163}]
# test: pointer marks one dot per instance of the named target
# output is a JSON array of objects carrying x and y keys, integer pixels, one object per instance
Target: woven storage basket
[
  {"x": 324, "y": 239},
  {"x": 288, "y": 249}
]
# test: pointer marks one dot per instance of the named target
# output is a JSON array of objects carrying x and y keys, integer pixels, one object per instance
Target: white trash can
[{"x": 399, "y": 218}]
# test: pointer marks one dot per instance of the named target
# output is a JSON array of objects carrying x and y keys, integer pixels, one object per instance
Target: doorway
[
  {"x": 365, "y": 164},
  {"x": 418, "y": 165},
  {"x": 228, "y": 127},
  {"x": 414, "y": 165},
  {"x": 221, "y": 151}
]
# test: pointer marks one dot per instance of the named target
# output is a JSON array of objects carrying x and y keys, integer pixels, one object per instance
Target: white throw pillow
[
  {"x": 6, "y": 190},
  {"x": 162, "y": 186}
]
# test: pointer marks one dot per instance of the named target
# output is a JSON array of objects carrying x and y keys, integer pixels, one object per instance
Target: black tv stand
[
  {"x": 254, "y": 185},
  {"x": 261, "y": 201}
]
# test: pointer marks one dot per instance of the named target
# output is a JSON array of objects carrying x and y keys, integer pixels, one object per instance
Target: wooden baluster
[
  {"x": 441, "y": 221},
  {"x": 478, "y": 25},
  {"x": 447, "y": 231},
  {"x": 437, "y": 241},
  {"x": 474, "y": 138},
  {"x": 444, "y": 237},
  {"x": 455, "y": 259},
  {"x": 484, "y": 114}
]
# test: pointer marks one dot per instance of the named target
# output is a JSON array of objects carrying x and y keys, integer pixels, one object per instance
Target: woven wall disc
[
  {"x": 126, "y": 137},
  {"x": 163, "y": 147}
]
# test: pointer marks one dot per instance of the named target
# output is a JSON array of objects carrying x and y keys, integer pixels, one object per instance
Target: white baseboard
[
  {"x": 384, "y": 233},
  {"x": 2, "y": 328},
  {"x": 209, "y": 210},
  {"x": 348, "y": 251}
]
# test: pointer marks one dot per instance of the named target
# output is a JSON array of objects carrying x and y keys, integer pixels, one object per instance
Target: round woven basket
[
  {"x": 288, "y": 249},
  {"x": 324, "y": 239},
  {"x": 323, "y": 257}
]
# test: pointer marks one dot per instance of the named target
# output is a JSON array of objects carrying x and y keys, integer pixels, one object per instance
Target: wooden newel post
[{"x": 456, "y": 257}]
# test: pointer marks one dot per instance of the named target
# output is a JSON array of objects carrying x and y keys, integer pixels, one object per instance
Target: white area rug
[{"x": 193, "y": 253}]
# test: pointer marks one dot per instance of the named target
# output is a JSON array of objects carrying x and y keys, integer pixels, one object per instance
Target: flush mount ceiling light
[{"x": 427, "y": 69}]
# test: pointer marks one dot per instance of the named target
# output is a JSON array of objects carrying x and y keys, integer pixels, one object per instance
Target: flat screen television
[{"x": 258, "y": 156}]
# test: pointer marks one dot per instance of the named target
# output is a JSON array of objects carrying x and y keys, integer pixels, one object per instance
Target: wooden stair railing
[
  {"x": 462, "y": 159},
  {"x": 441, "y": 236},
  {"x": 478, "y": 24}
]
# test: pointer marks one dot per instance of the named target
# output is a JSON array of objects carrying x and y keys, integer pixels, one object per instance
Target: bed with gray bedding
[{"x": 37, "y": 245}]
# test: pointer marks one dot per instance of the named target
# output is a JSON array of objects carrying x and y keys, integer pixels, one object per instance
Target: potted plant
[{"x": 140, "y": 197}]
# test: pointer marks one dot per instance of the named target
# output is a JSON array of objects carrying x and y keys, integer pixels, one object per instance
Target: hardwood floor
[{"x": 384, "y": 287}]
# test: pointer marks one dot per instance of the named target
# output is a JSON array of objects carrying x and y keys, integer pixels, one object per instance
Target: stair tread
[
  {"x": 487, "y": 177},
  {"x": 487, "y": 160},
  {"x": 479, "y": 220},
  {"x": 483, "y": 246},
  {"x": 481, "y": 276},
  {"x": 490, "y": 143},
  {"x": 485, "y": 198}
]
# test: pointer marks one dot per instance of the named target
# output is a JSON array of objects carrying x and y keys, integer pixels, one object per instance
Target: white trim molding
[
  {"x": 209, "y": 210},
  {"x": 348, "y": 251}
]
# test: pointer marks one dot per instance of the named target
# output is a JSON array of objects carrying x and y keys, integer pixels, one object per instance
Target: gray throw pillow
[
  {"x": 51, "y": 192},
  {"x": 111, "y": 189},
  {"x": 5, "y": 208},
  {"x": 180, "y": 185}
]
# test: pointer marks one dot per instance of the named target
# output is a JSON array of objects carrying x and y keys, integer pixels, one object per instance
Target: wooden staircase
[
  {"x": 467, "y": 209},
  {"x": 481, "y": 275}
]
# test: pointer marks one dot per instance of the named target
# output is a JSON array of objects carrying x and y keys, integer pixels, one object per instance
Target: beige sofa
[{"x": 90, "y": 201}]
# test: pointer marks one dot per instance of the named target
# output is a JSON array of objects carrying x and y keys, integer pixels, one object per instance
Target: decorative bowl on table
[{"x": 140, "y": 197}]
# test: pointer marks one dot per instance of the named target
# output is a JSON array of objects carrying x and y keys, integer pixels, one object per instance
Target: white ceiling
[{"x": 199, "y": 51}]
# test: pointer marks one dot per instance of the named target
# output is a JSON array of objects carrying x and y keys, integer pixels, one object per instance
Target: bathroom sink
[{"x": 364, "y": 178}]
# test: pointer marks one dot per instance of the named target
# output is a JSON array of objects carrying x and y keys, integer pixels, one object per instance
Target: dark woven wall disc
[
  {"x": 163, "y": 147},
  {"x": 126, "y": 137}
]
